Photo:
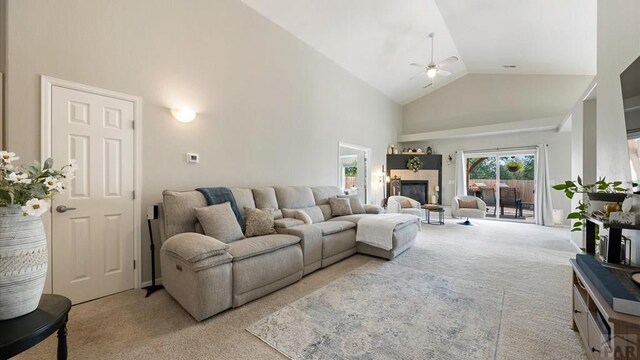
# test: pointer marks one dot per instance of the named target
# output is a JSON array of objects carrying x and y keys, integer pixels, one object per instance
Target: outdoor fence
[
  {"x": 350, "y": 181},
  {"x": 524, "y": 188}
]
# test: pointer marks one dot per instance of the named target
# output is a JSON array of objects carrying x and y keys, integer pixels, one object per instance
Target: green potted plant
[{"x": 601, "y": 190}]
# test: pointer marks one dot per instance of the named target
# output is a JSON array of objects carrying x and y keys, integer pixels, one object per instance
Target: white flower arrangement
[{"x": 34, "y": 186}]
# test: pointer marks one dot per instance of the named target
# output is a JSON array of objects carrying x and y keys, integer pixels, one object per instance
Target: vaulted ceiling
[{"x": 377, "y": 39}]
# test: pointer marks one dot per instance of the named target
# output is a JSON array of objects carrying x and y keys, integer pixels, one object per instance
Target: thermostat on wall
[{"x": 193, "y": 158}]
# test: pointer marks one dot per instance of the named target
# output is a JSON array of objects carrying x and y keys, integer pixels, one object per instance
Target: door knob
[{"x": 63, "y": 208}]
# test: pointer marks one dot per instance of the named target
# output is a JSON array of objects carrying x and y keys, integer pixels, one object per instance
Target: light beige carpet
[{"x": 530, "y": 263}]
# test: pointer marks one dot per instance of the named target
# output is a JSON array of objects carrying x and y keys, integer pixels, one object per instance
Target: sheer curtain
[
  {"x": 543, "y": 205},
  {"x": 461, "y": 174}
]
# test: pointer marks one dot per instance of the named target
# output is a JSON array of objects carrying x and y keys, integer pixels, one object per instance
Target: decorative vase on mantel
[{"x": 23, "y": 262}]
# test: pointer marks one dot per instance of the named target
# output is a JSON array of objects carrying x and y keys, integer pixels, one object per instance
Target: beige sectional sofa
[{"x": 207, "y": 276}]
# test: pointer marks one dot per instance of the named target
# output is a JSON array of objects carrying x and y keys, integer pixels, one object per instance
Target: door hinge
[
  {"x": 133, "y": 194},
  {"x": 134, "y": 264},
  {"x": 133, "y": 124}
]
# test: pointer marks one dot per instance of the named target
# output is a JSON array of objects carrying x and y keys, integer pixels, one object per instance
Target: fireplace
[{"x": 418, "y": 190}]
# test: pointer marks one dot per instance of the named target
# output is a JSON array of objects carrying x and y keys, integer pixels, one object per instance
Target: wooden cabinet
[{"x": 606, "y": 334}]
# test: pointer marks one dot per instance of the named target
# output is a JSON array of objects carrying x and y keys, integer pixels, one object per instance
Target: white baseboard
[{"x": 148, "y": 283}]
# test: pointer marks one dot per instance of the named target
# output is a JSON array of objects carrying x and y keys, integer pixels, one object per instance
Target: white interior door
[{"x": 93, "y": 242}]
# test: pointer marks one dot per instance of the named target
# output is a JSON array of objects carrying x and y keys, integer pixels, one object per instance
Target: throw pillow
[
  {"x": 356, "y": 205},
  {"x": 405, "y": 203},
  {"x": 219, "y": 221},
  {"x": 301, "y": 215},
  {"x": 258, "y": 222},
  {"x": 340, "y": 206},
  {"x": 467, "y": 204}
]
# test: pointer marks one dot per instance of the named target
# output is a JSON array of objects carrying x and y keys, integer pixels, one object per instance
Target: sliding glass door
[
  {"x": 482, "y": 177},
  {"x": 505, "y": 180}
]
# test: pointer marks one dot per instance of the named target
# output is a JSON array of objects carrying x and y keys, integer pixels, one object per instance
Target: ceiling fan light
[{"x": 432, "y": 73}]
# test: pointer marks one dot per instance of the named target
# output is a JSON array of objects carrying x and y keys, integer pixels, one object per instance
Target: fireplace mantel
[{"x": 431, "y": 172}]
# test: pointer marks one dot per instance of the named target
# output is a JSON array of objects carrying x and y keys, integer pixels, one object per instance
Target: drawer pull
[
  {"x": 577, "y": 311},
  {"x": 594, "y": 350},
  {"x": 580, "y": 283}
]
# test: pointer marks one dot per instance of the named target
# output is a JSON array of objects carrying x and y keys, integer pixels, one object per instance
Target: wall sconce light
[
  {"x": 183, "y": 115},
  {"x": 449, "y": 159}
]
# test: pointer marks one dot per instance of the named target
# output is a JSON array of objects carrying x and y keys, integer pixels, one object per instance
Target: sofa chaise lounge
[{"x": 207, "y": 276}]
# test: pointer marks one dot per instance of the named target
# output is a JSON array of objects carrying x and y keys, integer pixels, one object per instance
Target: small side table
[
  {"x": 431, "y": 208},
  {"x": 21, "y": 333}
]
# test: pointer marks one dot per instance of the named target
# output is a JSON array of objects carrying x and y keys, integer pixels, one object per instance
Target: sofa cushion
[
  {"x": 351, "y": 218},
  {"x": 259, "y": 222},
  {"x": 192, "y": 247},
  {"x": 356, "y": 205},
  {"x": 244, "y": 199},
  {"x": 179, "y": 213},
  {"x": 314, "y": 213},
  {"x": 220, "y": 222},
  {"x": 265, "y": 198},
  {"x": 294, "y": 197},
  {"x": 199, "y": 228},
  {"x": 373, "y": 209},
  {"x": 322, "y": 194},
  {"x": 243, "y": 249},
  {"x": 332, "y": 227},
  {"x": 301, "y": 215},
  {"x": 277, "y": 214},
  {"x": 326, "y": 211},
  {"x": 340, "y": 206},
  {"x": 286, "y": 223}
]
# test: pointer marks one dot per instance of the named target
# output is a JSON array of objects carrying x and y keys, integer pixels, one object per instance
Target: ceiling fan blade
[
  {"x": 447, "y": 61},
  {"x": 418, "y": 65},
  {"x": 426, "y": 86},
  {"x": 443, "y": 72},
  {"x": 418, "y": 74}
]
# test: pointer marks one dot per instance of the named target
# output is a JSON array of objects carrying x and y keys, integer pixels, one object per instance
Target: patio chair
[
  {"x": 489, "y": 198},
  {"x": 509, "y": 199}
]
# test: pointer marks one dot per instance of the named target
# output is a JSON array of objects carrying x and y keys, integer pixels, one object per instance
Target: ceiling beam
[{"x": 543, "y": 124}]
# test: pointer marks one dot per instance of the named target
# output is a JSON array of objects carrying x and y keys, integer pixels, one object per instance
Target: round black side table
[{"x": 21, "y": 333}]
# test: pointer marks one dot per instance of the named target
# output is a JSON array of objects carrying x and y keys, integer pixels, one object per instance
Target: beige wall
[
  {"x": 483, "y": 99},
  {"x": 3, "y": 63},
  {"x": 3, "y": 35},
  {"x": 583, "y": 145},
  {"x": 271, "y": 109},
  {"x": 618, "y": 47}
]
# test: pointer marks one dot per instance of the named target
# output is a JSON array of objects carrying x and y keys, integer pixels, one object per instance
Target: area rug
[{"x": 388, "y": 311}]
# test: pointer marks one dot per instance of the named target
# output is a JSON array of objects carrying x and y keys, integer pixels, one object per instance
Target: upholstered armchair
[
  {"x": 460, "y": 208},
  {"x": 394, "y": 205}
]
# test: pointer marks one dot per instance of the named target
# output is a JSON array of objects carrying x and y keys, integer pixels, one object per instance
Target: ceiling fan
[{"x": 433, "y": 69}]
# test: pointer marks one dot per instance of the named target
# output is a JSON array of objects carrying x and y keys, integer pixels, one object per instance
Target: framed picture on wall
[{"x": 394, "y": 185}]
